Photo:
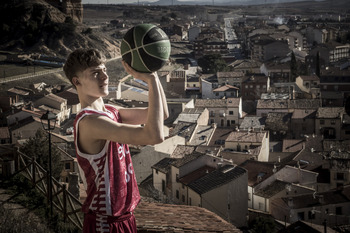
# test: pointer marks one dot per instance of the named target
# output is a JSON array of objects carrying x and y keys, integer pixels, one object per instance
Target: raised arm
[
  {"x": 99, "y": 128},
  {"x": 137, "y": 116}
]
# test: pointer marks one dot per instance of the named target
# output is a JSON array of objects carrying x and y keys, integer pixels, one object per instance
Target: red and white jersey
[{"x": 108, "y": 176}]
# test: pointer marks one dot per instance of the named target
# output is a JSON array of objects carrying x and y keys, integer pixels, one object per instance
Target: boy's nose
[{"x": 104, "y": 76}]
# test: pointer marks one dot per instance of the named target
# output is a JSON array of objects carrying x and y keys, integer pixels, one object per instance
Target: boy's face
[{"x": 93, "y": 81}]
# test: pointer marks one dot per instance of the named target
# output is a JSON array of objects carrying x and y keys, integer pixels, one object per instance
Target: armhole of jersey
[{"x": 78, "y": 151}]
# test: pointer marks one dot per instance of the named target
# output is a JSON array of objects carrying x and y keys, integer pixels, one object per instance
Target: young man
[{"x": 101, "y": 135}]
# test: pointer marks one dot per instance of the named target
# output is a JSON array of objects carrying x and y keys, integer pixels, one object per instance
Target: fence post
[
  {"x": 64, "y": 187},
  {"x": 33, "y": 172},
  {"x": 16, "y": 157}
]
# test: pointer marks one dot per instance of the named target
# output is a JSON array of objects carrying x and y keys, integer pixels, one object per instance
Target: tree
[
  {"x": 212, "y": 63},
  {"x": 294, "y": 71},
  {"x": 38, "y": 147},
  {"x": 318, "y": 69},
  {"x": 263, "y": 225}
]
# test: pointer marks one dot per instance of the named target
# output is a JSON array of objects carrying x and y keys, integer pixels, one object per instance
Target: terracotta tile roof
[
  {"x": 292, "y": 145},
  {"x": 310, "y": 157},
  {"x": 219, "y": 136},
  {"x": 330, "y": 112},
  {"x": 245, "y": 136},
  {"x": 216, "y": 178},
  {"x": 202, "y": 135},
  {"x": 272, "y": 189},
  {"x": 272, "y": 103},
  {"x": 164, "y": 165},
  {"x": 225, "y": 88},
  {"x": 305, "y": 103},
  {"x": 158, "y": 217},
  {"x": 254, "y": 122},
  {"x": 255, "y": 79},
  {"x": 236, "y": 157},
  {"x": 257, "y": 171},
  {"x": 244, "y": 64},
  {"x": 291, "y": 104},
  {"x": 308, "y": 200},
  {"x": 70, "y": 95},
  {"x": 278, "y": 121},
  {"x": 186, "y": 159},
  {"x": 212, "y": 150},
  {"x": 193, "y": 176},
  {"x": 182, "y": 150},
  {"x": 183, "y": 129},
  {"x": 55, "y": 98},
  {"x": 217, "y": 103},
  {"x": 329, "y": 145},
  {"x": 303, "y": 226}
]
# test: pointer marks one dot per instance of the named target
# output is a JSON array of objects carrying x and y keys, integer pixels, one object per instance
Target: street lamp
[{"x": 46, "y": 120}]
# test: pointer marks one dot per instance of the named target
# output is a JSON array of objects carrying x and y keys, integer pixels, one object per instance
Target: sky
[
  {"x": 111, "y": 1},
  {"x": 125, "y": 1}
]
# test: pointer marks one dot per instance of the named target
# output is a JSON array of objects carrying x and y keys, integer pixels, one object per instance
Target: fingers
[
  {"x": 127, "y": 67},
  {"x": 138, "y": 75}
]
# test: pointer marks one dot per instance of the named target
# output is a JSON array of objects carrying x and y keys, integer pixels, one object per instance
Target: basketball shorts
[{"x": 98, "y": 223}]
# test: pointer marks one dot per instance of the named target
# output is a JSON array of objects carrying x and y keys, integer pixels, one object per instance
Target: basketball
[{"x": 145, "y": 47}]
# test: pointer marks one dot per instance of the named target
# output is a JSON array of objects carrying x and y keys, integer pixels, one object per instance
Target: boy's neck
[{"x": 97, "y": 104}]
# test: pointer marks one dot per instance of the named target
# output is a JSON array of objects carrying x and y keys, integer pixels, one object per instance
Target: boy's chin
[{"x": 105, "y": 94}]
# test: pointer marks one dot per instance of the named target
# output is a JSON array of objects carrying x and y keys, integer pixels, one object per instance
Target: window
[
  {"x": 321, "y": 122},
  {"x": 261, "y": 206},
  {"x": 311, "y": 215},
  {"x": 67, "y": 166},
  {"x": 332, "y": 122},
  {"x": 338, "y": 210},
  {"x": 177, "y": 194},
  {"x": 301, "y": 216},
  {"x": 340, "y": 176},
  {"x": 230, "y": 113}
]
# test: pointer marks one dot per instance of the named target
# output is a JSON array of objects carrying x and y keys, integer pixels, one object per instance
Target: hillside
[{"x": 34, "y": 26}]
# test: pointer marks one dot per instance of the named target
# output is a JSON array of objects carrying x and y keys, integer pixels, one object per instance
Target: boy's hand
[{"x": 138, "y": 75}]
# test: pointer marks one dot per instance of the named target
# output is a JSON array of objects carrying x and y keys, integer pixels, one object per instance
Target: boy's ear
[{"x": 75, "y": 81}]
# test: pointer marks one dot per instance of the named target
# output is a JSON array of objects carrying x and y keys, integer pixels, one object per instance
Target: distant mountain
[{"x": 220, "y": 2}]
